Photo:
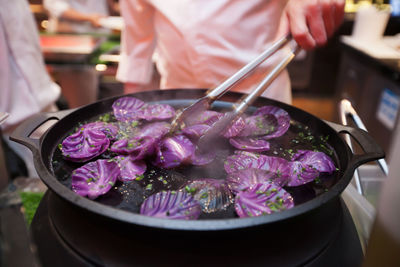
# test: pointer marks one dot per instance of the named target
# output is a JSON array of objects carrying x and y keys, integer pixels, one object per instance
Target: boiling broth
[{"x": 129, "y": 195}]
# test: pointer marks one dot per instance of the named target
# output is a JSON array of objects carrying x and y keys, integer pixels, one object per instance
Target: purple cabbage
[
  {"x": 90, "y": 141},
  {"x": 212, "y": 194},
  {"x": 194, "y": 132},
  {"x": 174, "y": 151},
  {"x": 127, "y": 108},
  {"x": 199, "y": 159},
  {"x": 243, "y": 179},
  {"x": 208, "y": 117},
  {"x": 245, "y": 160},
  {"x": 316, "y": 160},
  {"x": 171, "y": 205},
  {"x": 132, "y": 109},
  {"x": 156, "y": 130},
  {"x": 95, "y": 178},
  {"x": 137, "y": 147},
  {"x": 282, "y": 117},
  {"x": 259, "y": 125},
  {"x": 143, "y": 144},
  {"x": 238, "y": 125},
  {"x": 156, "y": 112},
  {"x": 301, "y": 174},
  {"x": 261, "y": 199},
  {"x": 127, "y": 129},
  {"x": 129, "y": 169},
  {"x": 307, "y": 165},
  {"x": 249, "y": 144},
  {"x": 108, "y": 129}
]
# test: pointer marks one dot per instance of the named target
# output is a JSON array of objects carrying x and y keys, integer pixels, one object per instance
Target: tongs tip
[{"x": 185, "y": 114}]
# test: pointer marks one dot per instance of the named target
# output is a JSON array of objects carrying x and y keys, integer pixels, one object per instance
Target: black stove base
[{"x": 55, "y": 249}]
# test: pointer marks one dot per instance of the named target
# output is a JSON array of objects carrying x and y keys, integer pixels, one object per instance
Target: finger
[
  {"x": 328, "y": 15},
  {"x": 299, "y": 30},
  {"x": 316, "y": 24},
  {"x": 339, "y": 12}
]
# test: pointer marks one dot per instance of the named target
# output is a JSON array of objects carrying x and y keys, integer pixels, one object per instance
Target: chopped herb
[
  {"x": 149, "y": 186},
  {"x": 139, "y": 178},
  {"x": 190, "y": 190},
  {"x": 105, "y": 118},
  {"x": 204, "y": 195}
]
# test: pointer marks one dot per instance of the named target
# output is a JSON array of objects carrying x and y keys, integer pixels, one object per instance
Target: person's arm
[
  {"x": 312, "y": 22},
  {"x": 75, "y": 15},
  {"x": 62, "y": 9},
  {"x": 137, "y": 45}
]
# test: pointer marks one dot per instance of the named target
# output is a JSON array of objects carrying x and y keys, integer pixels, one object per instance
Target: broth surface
[{"x": 130, "y": 195}]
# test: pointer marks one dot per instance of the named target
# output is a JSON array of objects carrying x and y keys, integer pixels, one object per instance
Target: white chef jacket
[
  {"x": 57, "y": 7},
  {"x": 25, "y": 86},
  {"x": 199, "y": 43}
]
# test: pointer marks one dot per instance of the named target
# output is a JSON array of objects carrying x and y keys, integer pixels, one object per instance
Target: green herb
[
  {"x": 105, "y": 117},
  {"x": 190, "y": 189},
  {"x": 204, "y": 195},
  {"x": 139, "y": 178},
  {"x": 149, "y": 187}
]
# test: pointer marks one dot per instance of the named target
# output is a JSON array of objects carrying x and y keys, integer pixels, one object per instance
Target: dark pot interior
[{"x": 45, "y": 149}]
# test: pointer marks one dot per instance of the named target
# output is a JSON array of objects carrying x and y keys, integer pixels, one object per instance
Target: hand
[
  {"x": 312, "y": 22},
  {"x": 95, "y": 20}
]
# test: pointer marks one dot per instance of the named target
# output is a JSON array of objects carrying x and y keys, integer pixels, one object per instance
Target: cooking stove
[{"x": 65, "y": 236}]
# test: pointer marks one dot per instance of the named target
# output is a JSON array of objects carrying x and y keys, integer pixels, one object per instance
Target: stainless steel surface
[
  {"x": 344, "y": 111},
  {"x": 362, "y": 198},
  {"x": 347, "y": 109},
  {"x": 205, "y": 102}
]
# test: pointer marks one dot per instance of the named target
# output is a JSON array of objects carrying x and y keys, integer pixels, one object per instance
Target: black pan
[{"x": 44, "y": 148}]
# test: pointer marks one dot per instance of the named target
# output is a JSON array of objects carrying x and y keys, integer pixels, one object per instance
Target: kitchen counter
[
  {"x": 72, "y": 60},
  {"x": 384, "y": 56},
  {"x": 369, "y": 77}
]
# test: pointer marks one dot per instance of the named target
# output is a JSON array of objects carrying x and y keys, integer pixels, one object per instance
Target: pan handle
[
  {"x": 372, "y": 151},
  {"x": 23, "y": 132}
]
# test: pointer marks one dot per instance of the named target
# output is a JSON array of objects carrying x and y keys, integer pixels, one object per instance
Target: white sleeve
[
  {"x": 137, "y": 42},
  {"x": 56, "y": 7}
]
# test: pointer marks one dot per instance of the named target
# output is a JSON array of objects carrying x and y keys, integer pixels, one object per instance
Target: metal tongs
[
  {"x": 3, "y": 116},
  {"x": 206, "y": 101}
]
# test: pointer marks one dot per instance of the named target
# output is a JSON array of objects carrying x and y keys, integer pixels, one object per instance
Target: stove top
[{"x": 73, "y": 240}]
